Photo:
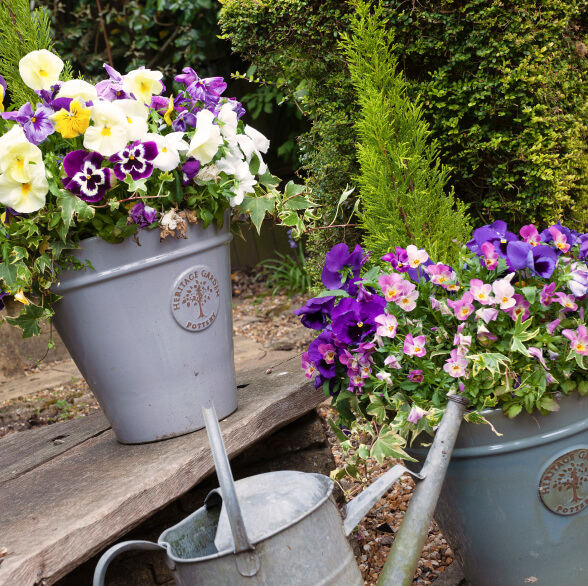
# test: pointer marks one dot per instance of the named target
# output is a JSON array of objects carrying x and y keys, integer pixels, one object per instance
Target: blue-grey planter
[
  {"x": 492, "y": 513},
  {"x": 150, "y": 329}
]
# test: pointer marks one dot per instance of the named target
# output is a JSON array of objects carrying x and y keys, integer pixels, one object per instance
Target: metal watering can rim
[{"x": 321, "y": 479}]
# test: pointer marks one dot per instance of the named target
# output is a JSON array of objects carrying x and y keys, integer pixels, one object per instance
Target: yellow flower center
[
  {"x": 360, "y": 324},
  {"x": 88, "y": 177},
  {"x": 106, "y": 131},
  {"x": 504, "y": 299},
  {"x": 417, "y": 349},
  {"x": 43, "y": 73},
  {"x": 481, "y": 296},
  {"x": 26, "y": 187},
  {"x": 132, "y": 157},
  {"x": 580, "y": 347},
  {"x": 20, "y": 162},
  {"x": 129, "y": 120},
  {"x": 33, "y": 119},
  {"x": 164, "y": 150}
]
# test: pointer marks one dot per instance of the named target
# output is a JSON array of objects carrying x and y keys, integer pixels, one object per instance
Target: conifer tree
[
  {"x": 402, "y": 184},
  {"x": 22, "y": 31}
]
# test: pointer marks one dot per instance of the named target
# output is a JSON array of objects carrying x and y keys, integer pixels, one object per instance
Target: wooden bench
[{"x": 69, "y": 490}]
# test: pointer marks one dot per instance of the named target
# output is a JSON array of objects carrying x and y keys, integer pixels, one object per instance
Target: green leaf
[
  {"x": 530, "y": 294},
  {"x": 335, "y": 292},
  {"x": 268, "y": 180},
  {"x": 298, "y": 203},
  {"x": 517, "y": 346},
  {"x": 389, "y": 445},
  {"x": 28, "y": 320},
  {"x": 583, "y": 387},
  {"x": 377, "y": 409},
  {"x": 257, "y": 208},
  {"x": 337, "y": 431},
  {"x": 139, "y": 185},
  {"x": 514, "y": 410},
  {"x": 69, "y": 204},
  {"x": 8, "y": 274},
  {"x": 293, "y": 189}
]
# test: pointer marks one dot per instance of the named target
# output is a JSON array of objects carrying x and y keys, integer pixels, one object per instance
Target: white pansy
[
  {"x": 109, "y": 134},
  {"x": 24, "y": 196},
  {"x": 143, "y": 84},
  {"x": 207, "y": 138},
  {"x": 253, "y": 142},
  {"x": 244, "y": 180},
  {"x": 261, "y": 142},
  {"x": 169, "y": 146},
  {"x": 78, "y": 88},
  {"x": 136, "y": 115},
  {"x": 18, "y": 155},
  {"x": 40, "y": 69},
  {"x": 229, "y": 121}
]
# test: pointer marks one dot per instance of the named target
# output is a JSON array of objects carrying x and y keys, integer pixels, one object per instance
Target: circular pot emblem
[
  {"x": 195, "y": 299},
  {"x": 564, "y": 483}
]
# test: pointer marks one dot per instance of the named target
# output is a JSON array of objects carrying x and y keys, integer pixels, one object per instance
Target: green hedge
[{"x": 502, "y": 86}]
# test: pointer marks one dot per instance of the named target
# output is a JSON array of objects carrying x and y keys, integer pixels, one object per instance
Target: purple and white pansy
[
  {"x": 135, "y": 160},
  {"x": 86, "y": 177}
]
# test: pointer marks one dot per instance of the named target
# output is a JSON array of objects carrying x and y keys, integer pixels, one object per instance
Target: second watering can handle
[{"x": 108, "y": 556}]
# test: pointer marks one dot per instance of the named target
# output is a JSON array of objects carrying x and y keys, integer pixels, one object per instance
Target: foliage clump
[
  {"x": 501, "y": 84},
  {"x": 402, "y": 182}
]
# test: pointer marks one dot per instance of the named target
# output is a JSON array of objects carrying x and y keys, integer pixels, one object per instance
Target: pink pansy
[
  {"x": 414, "y": 346},
  {"x": 538, "y": 353},
  {"x": 559, "y": 239},
  {"x": 351, "y": 361},
  {"x": 504, "y": 292},
  {"x": 462, "y": 342},
  {"x": 365, "y": 370},
  {"x": 578, "y": 339},
  {"x": 392, "y": 362},
  {"x": 490, "y": 256},
  {"x": 452, "y": 287},
  {"x": 415, "y": 414},
  {"x": 390, "y": 285},
  {"x": 416, "y": 376},
  {"x": 463, "y": 307},
  {"x": 568, "y": 301},
  {"x": 547, "y": 293},
  {"x": 388, "y": 324},
  {"x": 481, "y": 291},
  {"x": 485, "y": 336},
  {"x": 487, "y": 314},
  {"x": 552, "y": 325},
  {"x": 384, "y": 376},
  {"x": 456, "y": 365},
  {"x": 440, "y": 274},
  {"x": 307, "y": 365},
  {"x": 520, "y": 308},
  {"x": 416, "y": 257},
  {"x": 328, "y": 352},
  {"x": 530, "y": 234},
  {"x": 408, "y": 296},
  {"x": 355, "y": 382}
]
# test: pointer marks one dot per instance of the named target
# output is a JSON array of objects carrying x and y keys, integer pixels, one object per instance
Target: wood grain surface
[{"x": 70, "y": 489}]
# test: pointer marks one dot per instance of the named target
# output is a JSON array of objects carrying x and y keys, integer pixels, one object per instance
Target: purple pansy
[
  {"x": 495, "y": 233},
  {"x": 207, "y": 89},
  {"x": 35, "y": 124},
  {"x": 398, "y": 259},
  {"x": 541, "y": 260},
  {"x": 189, "y": 170},
  {"x": 136, "y": 160},
  {"x": 50, "y": 101},
  {"x": 342, "y": 267},
  {"x": 315, "y": 313},
  {"x": 111, "y": 89},
  {"x": 184, "y": 120},
  {"x": 85, "y": 176},
  {"x": 2, "y": 295},
  {"x": 143, "y": 215},
  {"x": 328, "y": 369},
  {"x": 353, "y": 321}
]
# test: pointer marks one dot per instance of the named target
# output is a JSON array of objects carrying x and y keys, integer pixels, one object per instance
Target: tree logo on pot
[
  {"x": 195, "y": 298},
  {"x": 564, "y": 483}
]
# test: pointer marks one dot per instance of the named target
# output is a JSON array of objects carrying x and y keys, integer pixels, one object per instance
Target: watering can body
[{"x": 292, "y": 522}]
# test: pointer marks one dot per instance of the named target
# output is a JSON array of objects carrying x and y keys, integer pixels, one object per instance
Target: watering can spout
[{"x": 354, "y": 511}]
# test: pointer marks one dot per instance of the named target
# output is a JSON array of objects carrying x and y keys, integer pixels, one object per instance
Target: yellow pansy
[
  {"x": 20, "y": 296},
  {"x": 143, "y": 84},
  {"x": 73, "y": 123},
  {"x": 170, "y": 109}
]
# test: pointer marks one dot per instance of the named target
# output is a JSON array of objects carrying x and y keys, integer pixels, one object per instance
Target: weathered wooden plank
[
  {"x": 21, "y": 452},
  {"x": 58, "y": 515}
]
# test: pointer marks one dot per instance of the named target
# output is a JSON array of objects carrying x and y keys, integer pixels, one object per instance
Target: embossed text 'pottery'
[
  {"x": 515, "y": 508},
  {"x": 150, "y": 329}
]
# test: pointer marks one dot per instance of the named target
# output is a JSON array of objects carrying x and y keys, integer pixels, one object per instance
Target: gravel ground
[{"x": 269, "y": 321}]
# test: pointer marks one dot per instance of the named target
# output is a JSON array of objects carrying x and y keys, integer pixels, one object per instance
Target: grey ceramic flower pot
[
  {"x": 515, "y": 508},
  {"x": 150, "y": 329}
]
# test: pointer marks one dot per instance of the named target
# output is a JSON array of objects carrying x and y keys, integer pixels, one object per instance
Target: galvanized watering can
[{"x": 283, "y": 528}]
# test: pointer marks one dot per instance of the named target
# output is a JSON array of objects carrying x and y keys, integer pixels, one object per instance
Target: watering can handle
[
  {"x": 248, "y": 562},
  {"x": 108, "y": 556}
]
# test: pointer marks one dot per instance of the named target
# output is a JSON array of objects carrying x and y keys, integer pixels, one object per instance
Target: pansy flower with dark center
[
  {"x": 35, "y": 124},
  {"x": 136, "y": 160},
  {"x": 342, "y": 268},
  {"x": 143, "y": 215},
  {"x": 495, "y": 233},
  {"x": 85, "y": 176},
  {"x": 316, "y": 312}
]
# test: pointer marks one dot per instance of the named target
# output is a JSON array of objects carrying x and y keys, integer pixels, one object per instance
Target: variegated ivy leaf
[{"x": 257, "y": 207}]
